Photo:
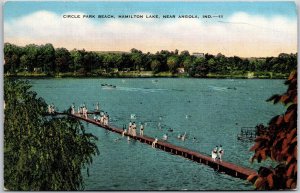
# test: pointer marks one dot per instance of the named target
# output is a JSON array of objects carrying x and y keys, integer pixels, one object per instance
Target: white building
[{"x": 198, "y": 55}]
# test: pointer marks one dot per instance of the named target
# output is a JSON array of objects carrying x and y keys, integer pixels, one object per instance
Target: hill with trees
[{"x": 49, "y": 61}]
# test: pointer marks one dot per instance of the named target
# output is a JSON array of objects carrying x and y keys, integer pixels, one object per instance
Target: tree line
[{"x": 50, "y": 60}]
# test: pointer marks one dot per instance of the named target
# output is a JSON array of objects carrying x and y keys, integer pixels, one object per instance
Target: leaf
[
  {"x": 289, "y": 183},
  {"x": 259, "y": 158},
  {"x": 292, "y": 134},
  {"x": 252, "y": 177},
  {"x": 293, "y": 186},
  {"x": 290, "y": 170},
  {"x": 279, "y": 120},
  {"x": 295, "y": 100},
  {"x": 263, "y": 154},
  {"x": 295, "y": 171},
  {"x": 270, "y": 180},
  {"x": 284, "y": 98},
  {"x": 259, "y": 182},
  {"x": 255, "y": 146},
  {"x": 289, "y": 159},
  {"x": 292, "y": 75},
  {"x": 288, "y": 116},
  {"x": 275, "y": 98},
  {"x": 262, "y": 138}
]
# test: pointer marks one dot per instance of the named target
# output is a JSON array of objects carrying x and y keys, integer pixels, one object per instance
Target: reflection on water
[{"x": 210, "y": 112}]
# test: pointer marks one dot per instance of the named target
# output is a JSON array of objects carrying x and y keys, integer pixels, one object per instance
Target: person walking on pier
[
  {"x": 73, "y": 109},
  {"x": 52, "y": 108},
  {"x": 49, "y": 109},
  {"x": 220, "y": 153},
  {"x": 165, "y": 137},
  {"x": 133, "y": 129},
  {"x": 154, "y": 142},
  {"x": 130, "y": 128},
  {"x": 104, "y": 119},
  {"x": 107, "y": 118},
  {"x": 124, "y": 130},
  {"x": 214, "y": 153},
  {"x": 142, "y": 129},
  {"x": 85, "y": 111},
  {"x": 101, "y": 119}
]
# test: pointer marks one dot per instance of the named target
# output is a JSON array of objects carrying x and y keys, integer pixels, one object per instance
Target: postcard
[{"x": 150, "y": 96}]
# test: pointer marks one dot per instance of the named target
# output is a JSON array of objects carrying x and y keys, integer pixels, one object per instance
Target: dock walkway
[{"x": 220, "y": 166}]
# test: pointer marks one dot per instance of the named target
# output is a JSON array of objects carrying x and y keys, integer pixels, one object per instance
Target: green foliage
[
  {"x": 62, "y": 60},
  {"x": 199, "y": 67},
  {"x": 41, "y": 153},
  {"x": 173, "y": 63},
  {"x": 156, "y": 66}
]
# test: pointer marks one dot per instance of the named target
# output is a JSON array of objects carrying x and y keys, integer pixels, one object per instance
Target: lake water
[{"x": 211, "y": 110}]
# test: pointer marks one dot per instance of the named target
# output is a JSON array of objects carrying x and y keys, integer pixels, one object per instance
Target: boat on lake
[{"x": 108, "y": 86}]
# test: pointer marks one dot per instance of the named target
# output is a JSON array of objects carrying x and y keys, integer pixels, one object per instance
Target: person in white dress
[
  {"x": 142, "y": 129},
  {"x": 72, "y": 109},
  {"x": 220, "y": 153},
  {"x": 183, "y": 137},
  {"x": 214, "y": 153},
  {"x": 49, "y": 109},
  {"x": 154, "y": 142},
  {"x": 165, "y": 137},
  {"x": 133, "y": 129},
  {"x": 130, "y": 128}
]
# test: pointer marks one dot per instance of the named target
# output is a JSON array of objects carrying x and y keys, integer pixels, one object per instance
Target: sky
[{"x": 247, "y": 29}]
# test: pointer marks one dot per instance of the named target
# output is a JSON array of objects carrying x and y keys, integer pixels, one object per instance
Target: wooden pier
[{"x": 220, "y": 166}]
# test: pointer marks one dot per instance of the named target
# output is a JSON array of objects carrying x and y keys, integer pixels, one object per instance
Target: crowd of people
[
  {"x": 132, "y": 127},
  {"x": 103, "y": 118}
]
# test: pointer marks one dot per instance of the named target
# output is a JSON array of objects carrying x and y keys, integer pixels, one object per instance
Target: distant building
[
  {"x": 38, "y": 70},
  {"x": 198, "y": 55},
  {"x": 180, "y": 70},
  {"x": 115, "y": 70}
]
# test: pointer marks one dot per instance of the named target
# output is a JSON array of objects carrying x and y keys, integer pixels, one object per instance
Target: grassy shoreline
[{"x": 150, "y": 74}]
